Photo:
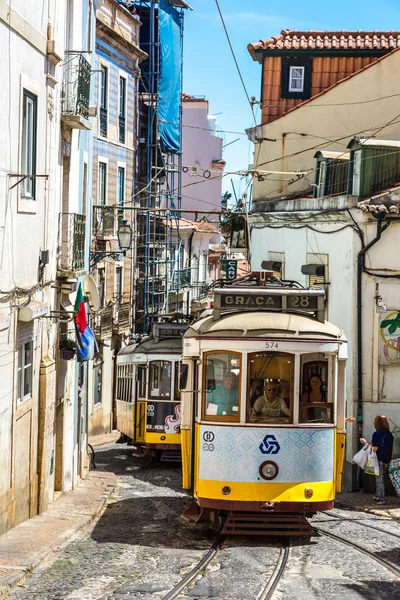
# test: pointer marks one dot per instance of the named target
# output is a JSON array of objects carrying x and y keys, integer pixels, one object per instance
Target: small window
[
  {"x": 296, "y": 79},
  {"x": 25, "y": 355},
  {"x": 122, "y": 109},
  {"x": 119, "y": 282},
  {"x": 270, "y": 391},
  {"x": 28, "y": 145},
  {"x": 314, "y": 402},
  {"x": 102, "y": 183},
  {"x": 101, "y": 285},
  {"x": 221, "y": 386},
  {"x": 160, "y": 379},
  {"x": 121, "y": 192},
  {"x": 97, "y": 383},
  {"x": 141, "y": 382},
  {"x": 103, "y": 100}
]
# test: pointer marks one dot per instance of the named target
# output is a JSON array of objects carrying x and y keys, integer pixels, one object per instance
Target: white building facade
[{"x": 39, "y": 447}]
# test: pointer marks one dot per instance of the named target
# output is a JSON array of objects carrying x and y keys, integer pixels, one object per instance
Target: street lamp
[{"x": 124, "y": 235}]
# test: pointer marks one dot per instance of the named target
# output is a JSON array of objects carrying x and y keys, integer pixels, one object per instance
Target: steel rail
[
  {"x": 382, "y": 561},
  {"x": 270, "y": 588},
  {"x": 359, "y": 522},
  {"x": 196, "y": 570}
]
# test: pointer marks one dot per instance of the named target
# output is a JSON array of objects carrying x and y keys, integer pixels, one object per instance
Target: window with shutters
[{"x": 25, "y": 362}]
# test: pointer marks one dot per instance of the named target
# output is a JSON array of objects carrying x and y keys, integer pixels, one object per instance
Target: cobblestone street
[{"x": 139, "y": 549}]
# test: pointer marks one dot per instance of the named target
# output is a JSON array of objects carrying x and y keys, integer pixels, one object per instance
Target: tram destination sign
[
  {"x": 166, "y": 330},
  {"x": 310, "y": 302}
]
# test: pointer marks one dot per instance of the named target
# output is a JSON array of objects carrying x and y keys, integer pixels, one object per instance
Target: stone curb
[
  {"x": 367, "y": 509},
  {"x": 23, "y": 571}
]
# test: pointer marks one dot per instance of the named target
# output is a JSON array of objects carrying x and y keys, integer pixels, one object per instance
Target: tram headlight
[
  {"x": 269, "y": 470},
  {"x": 308, "y": 492}
]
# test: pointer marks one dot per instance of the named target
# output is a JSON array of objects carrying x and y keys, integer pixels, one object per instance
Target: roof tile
[{"x": 329, "y": 40}]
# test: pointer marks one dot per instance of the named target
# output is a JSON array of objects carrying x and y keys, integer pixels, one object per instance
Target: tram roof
[
  {"x": 151, "y": 346},
  {"x": 259, "y": 324}
]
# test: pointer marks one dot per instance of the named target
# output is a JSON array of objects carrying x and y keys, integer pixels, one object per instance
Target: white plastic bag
[
  {"x": 372, "y": 467},
  {"x": 361, "y": 458}
]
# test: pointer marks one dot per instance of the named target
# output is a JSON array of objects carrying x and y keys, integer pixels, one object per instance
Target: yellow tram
[
  {"x": 256, "y": 437},
  {"x": 147, "y": 402}
]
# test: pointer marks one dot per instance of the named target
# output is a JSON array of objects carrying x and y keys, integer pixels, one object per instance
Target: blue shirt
[
  {"x": 224, "y": 399},
  {"x": 384, "y": 441}
]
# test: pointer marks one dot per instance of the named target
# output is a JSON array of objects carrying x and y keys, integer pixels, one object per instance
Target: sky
[{"x": 209, "y": 69}]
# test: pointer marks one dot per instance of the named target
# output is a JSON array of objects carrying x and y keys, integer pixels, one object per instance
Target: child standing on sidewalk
[{"x": 382, "y": 444}]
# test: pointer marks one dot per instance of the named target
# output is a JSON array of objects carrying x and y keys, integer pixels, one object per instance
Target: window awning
[{"x": 33, "y": 310}]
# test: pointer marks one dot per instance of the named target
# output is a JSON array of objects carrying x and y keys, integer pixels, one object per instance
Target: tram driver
[
  {"x": 223, "y": 400},
  {"x": 270, "y": 404}
]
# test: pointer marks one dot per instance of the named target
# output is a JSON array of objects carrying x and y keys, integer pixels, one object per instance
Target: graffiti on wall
[{"x": 390, "y": 338}]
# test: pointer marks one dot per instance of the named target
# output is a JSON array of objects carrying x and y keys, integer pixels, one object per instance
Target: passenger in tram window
[
  {"x": 270, "y": 404},
  {"x": 315, "y": 391},
  {"x": 223, "y": 400}
]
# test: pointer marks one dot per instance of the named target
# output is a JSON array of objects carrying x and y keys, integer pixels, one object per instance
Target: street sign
[{"x": 230, "y": 269}]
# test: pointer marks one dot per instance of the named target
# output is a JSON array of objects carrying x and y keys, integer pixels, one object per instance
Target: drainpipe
[
  {"x": 360, "y": 268},
  {"x": 190, "y": 267}
]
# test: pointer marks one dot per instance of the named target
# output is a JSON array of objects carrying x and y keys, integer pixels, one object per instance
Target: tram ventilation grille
[{"x": 255, "y": 523}]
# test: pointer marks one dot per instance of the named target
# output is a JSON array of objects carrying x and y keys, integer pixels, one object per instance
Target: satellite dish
[{"x": 90, "y": 290}]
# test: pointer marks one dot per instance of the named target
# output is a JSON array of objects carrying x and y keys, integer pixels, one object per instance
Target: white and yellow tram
[
  {"x": 253, "y": 437},
  {"x": 147, "y": 403}
]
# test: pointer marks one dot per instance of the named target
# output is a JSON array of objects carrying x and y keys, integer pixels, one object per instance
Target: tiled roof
[
  {"x": 386, "y": 203},
  {"x": 329, "y": 40},
  {"x": 202, "y": 226}
]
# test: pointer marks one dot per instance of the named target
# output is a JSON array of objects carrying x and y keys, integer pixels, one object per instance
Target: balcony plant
[{"x": 68, "y": 348}]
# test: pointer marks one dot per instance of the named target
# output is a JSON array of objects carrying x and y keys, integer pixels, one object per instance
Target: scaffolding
[{"x": 159, "y": 178}]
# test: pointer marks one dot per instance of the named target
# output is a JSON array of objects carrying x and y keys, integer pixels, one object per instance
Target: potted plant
[{"x": 68, "y": 348}]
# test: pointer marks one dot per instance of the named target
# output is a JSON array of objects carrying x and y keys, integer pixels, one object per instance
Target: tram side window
[
  {"x": 221, "y": 386},
  {"x": 141, "y": 382},
  {"x": 314, "y": 402},
  {"x": 160, "y": 379},
  {"x": 270, "y": 389},
  {"x": 177, "y": 394}
]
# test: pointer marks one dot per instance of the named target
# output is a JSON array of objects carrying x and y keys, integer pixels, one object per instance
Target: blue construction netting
[{"x": 170, "y": 77}]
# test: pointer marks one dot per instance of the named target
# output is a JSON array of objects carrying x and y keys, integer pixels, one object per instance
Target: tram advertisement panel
[
  {"x": 163, "y": 417},
  {"x": 236, "y": 453}
]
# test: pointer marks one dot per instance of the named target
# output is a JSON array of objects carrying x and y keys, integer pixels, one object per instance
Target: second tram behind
[
  {"x": 254, "y": 440},
  {"x": 147, "y": 403}
]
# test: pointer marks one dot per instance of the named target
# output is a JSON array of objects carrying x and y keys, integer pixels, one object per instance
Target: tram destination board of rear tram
[
  {"x": 166, "y": 330},
  {"x": 310, "y": 302}
]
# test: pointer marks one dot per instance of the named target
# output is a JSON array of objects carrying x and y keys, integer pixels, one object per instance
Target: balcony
[
  {"x": 71, "y": 245},
  {"x": 105, "y": 221},
  {"x": 122, "y": 317},
  {"x": 183, "y": 278},
  {"x": 104, "y": 322},
  {"x": 76, "y": 91}
]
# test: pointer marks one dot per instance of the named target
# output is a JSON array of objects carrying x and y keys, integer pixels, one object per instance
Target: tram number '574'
[{"x": 271, "y": 345}]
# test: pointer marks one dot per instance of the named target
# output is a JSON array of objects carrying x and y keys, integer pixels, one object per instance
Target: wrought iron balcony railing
[
  {"x": 71, "y": 243},
  {"x": 105, "y": 221},
  {"x": 103, "y": 322},
  {"x": 121, "y": 129},
  {"x": 122, "y": 316},
  {"x": 103, "y": 122},
  {"x": 183, "y": 277},
  {"x": 76, "y": 85}
]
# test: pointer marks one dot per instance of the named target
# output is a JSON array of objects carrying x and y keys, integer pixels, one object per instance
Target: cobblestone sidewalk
[{"x": 27, "y": 545}]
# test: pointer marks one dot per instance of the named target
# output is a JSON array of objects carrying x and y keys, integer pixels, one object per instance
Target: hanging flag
[{"x": 85, "y": 340}]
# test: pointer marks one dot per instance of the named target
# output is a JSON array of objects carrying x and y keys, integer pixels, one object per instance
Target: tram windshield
[
  {"x": 270, "y": 395},
  {"x": 315, "y": 404},
  {"x": 221, "y": 385},
  {"x": 160, "y": 379}
]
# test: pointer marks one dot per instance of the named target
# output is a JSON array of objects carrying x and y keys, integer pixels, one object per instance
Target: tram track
[
  {"x": 382, "y": 561},
  {"x": 341, "y": 519},
  {"x": 202, "y": 564},
  {"x": 267, "y": 590}
]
